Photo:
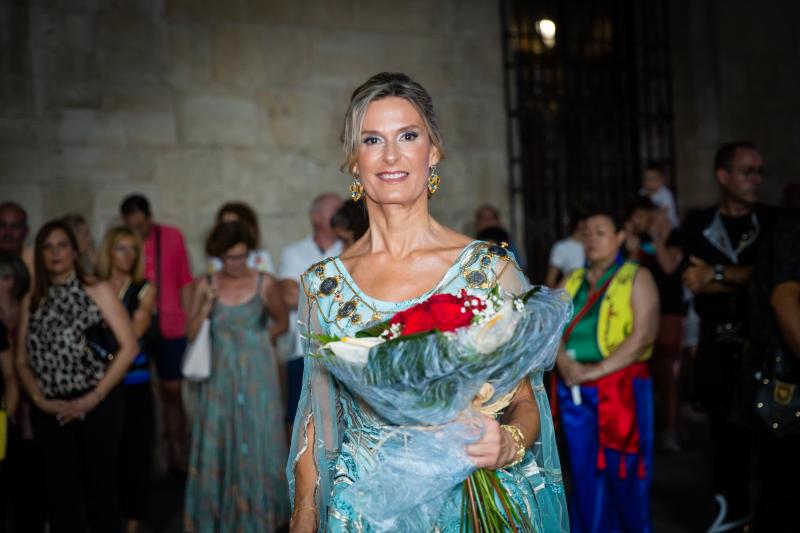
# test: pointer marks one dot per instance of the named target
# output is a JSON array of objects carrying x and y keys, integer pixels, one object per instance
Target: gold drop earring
[
  {"x": 356, "y": 189},
  {"x": 433, "y": 181}
]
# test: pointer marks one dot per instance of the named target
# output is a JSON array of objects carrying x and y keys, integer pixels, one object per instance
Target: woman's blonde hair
[
  {"x": 107, "y": 247},
  {"x": 381, "y": 86}
]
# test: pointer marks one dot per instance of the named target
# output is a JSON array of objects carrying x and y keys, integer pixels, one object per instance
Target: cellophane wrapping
[{"x": 425, "y": 386}]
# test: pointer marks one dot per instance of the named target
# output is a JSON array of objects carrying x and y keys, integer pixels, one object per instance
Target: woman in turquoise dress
[
  {"x": 236, "y": 479},
  {"x": 392, "y": 144}
]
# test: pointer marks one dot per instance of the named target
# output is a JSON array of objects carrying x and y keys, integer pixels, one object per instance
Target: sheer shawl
[{"x": 319, "y": 406}]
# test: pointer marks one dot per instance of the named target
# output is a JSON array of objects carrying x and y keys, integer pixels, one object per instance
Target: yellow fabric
[
  {"x": 3, "y": 433},
  {"x": 615, "y": 322}
]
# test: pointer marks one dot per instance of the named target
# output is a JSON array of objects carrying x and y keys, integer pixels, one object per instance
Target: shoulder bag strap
[
  {"x": 159, "y": 292},
  {"x": 593, "y": 297}
]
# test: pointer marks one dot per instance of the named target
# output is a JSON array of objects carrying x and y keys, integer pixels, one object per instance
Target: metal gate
[{"x": 589, "y": 103}]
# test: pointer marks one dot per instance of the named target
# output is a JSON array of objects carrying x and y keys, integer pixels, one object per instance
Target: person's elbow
[
  {"x": 129, "y": 348},
  {"x": 784, "y": 297}
]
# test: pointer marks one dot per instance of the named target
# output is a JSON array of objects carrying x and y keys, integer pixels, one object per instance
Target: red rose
[
  {"x": 441, "y": 311},
  {"x": 418, "y": 322},
  {"x": 448, "y": 312},
  {"x": 415, "y": 319}
]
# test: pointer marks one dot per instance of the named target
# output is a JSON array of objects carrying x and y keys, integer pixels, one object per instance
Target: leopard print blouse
[{"x": 59, "y": 357}]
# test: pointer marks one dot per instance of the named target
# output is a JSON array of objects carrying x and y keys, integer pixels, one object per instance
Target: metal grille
[{"x": 586, "y": 112}]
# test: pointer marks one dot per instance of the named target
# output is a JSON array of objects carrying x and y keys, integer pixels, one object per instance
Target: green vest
[{"x": 615, "y": 319}]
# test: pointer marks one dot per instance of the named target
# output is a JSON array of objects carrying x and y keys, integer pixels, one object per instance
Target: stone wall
[
  {"x": 196, "y": 102},
  {"x": 736, "y": 75}
]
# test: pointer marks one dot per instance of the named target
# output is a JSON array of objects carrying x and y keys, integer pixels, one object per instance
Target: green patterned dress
[{"x": 236, "y": 478}]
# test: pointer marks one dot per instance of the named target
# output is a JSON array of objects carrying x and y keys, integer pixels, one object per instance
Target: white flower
[
  {"x": 353, "y": 350},
  {"x": 496, "y": 330}
]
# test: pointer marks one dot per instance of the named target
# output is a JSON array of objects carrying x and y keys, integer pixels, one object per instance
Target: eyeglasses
[{"x": 234, "y": 258}]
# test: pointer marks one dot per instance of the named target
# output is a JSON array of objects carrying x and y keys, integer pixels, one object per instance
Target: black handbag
[
  {"x": 777, "y": 394},
  {"x": 101, "y": 342}
]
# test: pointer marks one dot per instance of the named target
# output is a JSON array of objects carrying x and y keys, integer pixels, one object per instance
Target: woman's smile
[{"x": 392, "y": 176}]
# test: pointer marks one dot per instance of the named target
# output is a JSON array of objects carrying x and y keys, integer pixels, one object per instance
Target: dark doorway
[{"x": 588, "y": 109}]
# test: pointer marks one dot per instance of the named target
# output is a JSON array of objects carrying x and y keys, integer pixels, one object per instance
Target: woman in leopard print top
[{"x": 78, "y": 410}]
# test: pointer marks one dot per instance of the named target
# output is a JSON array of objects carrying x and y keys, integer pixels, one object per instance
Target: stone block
[
  {"x": 276, "y": 181},
  {"x": 149, "y": 129},
  {"x": 22, "y": 164},
  {"x": 187, "y": 60},
  {"x": 182, "y": 177},
  {"x": 151, "y": 8},
  {"x": 129, "y": 65},
  {"x": 351, "y": 57},
  {"x": 217, "y": 119},
  {"x": 127, "y": 30},
  {"x": 102, "y": 164},
  {"x": 249, "y": 56},
  {"x": 85, "y": 93},
  {"x": 85, "y": 126},
  {"x": 309, "y": 119},
  {"x": 16, "y": 96},
  {"x": 23, "y": 130},
  {"x": 276, "y": 12},
  {"x": 138, "y": 98},
  {"x": 205, "y": 9},
  {"x": 412, "y": 17},
  {"x": 62, "y": 198}
]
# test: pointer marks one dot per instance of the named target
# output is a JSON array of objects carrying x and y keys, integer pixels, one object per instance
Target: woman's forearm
[
  {"x": 523, "y": 412},
  {"x": 305, "y": 472},
  {"x": 626, "y": 354},
  {"x": 195, "y": 321}
]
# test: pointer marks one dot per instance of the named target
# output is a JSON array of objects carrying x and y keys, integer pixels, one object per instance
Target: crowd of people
[
  {"x": 87, "y": 332},
  {"x": 92, "y": 341},
  {"x": 725, "y": 285}
]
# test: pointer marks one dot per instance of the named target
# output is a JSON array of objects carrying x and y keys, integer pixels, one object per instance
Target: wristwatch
[{"x": 719, "y": 273}]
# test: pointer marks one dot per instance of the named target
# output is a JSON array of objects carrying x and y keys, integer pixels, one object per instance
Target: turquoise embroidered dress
[
  {"x": 348, "y": 434},
  {"x": 236, "y": 477}
]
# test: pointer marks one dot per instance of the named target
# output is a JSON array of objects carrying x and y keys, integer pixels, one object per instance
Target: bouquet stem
[{"x": 480, "y": 512}]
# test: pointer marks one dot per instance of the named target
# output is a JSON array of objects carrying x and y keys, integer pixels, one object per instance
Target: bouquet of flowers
[{"x": 430, "y": 369}]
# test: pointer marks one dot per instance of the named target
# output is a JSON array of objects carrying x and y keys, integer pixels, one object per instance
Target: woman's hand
[
  {"x": 591, "y": 372},
  {"x": 304, "y": 520},
  {"x": 208, "y": 294},
  {"x": 77, "y": 409},
  {"x": 51, "y": 407},
  {"x": 572, "y": 372},
  {"x": 495, "y": 449}
]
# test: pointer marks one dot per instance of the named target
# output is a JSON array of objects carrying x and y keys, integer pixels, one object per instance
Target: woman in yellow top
[{"x": 604, "y": 390}]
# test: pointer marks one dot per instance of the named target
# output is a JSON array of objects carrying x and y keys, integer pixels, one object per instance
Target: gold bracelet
[
  {"x": 305, "y": 508},
  {"x": 519, "y": 440}
]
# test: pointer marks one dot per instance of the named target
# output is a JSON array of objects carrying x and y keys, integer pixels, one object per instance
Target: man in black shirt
[{"x": 721, "y": 243}]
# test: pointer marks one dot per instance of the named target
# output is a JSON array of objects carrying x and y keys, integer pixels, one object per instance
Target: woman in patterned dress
[
  {"x": 392, "y": 144},
  {"x": 78, "y": 408},
  {"x": 236, "y": 481}
]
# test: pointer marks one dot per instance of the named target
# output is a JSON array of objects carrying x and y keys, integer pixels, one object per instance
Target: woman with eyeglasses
[
  {"x": 236, "y": 479},
  {"x": 121, "y": 264},
  {"x": 63, "y": 363}
]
